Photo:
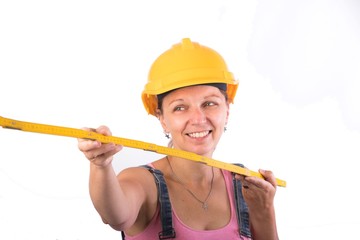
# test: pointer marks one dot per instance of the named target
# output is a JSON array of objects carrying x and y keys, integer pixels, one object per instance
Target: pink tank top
[{"x": 183, "y": 232}]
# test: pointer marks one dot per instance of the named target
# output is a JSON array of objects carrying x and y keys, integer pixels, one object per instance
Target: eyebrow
[
  {"x": 213, "y": 95},
  {"x": 176, "y": 100},
  {"x": 206, "y": 97}
]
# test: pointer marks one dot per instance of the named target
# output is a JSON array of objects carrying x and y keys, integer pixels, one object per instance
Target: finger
[
  {"x": 101, "y": 151},
  {"x": 268, "y": 176},
  {"x": 266, "y": 184},
  {"x": 251, "y": 183},
  {"x": 106, "y": 158},
  {"x": 244, "y": 183},
  {"x": 85, "y": 144},
  {"x": 111, "y": 151},
  {"x": 88, "y": 145},
  {"x": 248, "y": 188},
  {"x": 239, "y": 177},
  {"x": 104, "y": 130},
  {"x": 255, "y": 182},
  {"x": 86, "y": 139}
]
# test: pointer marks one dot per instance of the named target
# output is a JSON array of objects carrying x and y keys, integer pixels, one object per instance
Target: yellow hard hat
[{"x": 185, "y": 64}]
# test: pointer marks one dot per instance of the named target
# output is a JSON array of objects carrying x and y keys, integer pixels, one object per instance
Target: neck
[{"x": 189, "y": 171}]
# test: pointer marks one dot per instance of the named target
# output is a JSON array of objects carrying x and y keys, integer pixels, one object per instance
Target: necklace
[{"x": 203, "y": 203}]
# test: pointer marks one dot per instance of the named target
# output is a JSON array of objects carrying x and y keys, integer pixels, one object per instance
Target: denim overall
[{"x": 168, "y": 231}]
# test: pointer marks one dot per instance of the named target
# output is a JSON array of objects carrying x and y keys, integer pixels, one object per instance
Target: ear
[
  {"x": 227, "y": 113},
  {"x": 160, "y": 116}
]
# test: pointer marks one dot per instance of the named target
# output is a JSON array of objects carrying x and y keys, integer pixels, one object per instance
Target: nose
[{"x": 197, "y": 116}]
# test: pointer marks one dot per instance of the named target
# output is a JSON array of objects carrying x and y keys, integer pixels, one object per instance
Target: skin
[{"x": 195, "y": 118}]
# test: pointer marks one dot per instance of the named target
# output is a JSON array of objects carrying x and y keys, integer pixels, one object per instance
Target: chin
[{"x": 202, "y": 151}]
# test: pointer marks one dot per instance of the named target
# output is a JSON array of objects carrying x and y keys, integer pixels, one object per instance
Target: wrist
[
  {"x": 264, "y": 224},
  {"x": 107, "y": 164}
]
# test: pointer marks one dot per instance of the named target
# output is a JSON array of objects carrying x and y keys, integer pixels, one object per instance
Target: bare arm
[
  {"x": 117, "y": 203},
  {"x": 118, "y": 199}
]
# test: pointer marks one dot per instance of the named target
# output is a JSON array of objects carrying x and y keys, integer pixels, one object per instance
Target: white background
[{"x": 84, "y": 63}]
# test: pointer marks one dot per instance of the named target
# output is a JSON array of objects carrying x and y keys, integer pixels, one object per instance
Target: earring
[
  {"x": 225, "y": 129},
  {"x": 167, "y": 135}
]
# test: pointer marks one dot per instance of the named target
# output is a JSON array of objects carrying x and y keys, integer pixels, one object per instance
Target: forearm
[
  {"x": 263, "y": 226},
  {"x": 107, "y": 195}
]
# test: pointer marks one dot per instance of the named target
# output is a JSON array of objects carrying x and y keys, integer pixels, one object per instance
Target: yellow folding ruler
[{"x": 79, "y": 133}]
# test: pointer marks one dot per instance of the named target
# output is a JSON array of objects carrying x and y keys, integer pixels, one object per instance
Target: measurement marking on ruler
[{"x": 7, "y": 123}]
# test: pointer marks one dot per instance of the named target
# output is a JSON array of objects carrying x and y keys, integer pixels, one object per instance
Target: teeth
[{"x": 199, "y": 134}]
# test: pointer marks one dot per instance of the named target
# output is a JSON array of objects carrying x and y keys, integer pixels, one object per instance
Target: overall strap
[
  {"x": 165, "y": 205},
  {"x": 242, "y": 210}
]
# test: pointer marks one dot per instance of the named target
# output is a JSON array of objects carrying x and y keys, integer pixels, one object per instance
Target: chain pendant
[
  {"x": 205, "y": 206},
  {"x": 203, "y": 203}
]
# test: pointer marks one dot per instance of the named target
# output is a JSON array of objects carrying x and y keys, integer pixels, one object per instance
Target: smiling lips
[{"x": 199, "y": 134}]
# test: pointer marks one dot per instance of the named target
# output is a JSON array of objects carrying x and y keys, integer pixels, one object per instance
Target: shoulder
[
  {"x": 139, "y": 174},
  {"x": 142, "y": 170},
  {"x": 142, "y": 176}
]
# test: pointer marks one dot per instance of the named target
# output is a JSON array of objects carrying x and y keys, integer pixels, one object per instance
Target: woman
[{"x": 189, "y": 90}]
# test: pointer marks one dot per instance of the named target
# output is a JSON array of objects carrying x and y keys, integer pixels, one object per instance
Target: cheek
[
  {"x": 177, "y": 124},
  {"x": 220, "y": 118},
  {"x": 173, "y": 123}
]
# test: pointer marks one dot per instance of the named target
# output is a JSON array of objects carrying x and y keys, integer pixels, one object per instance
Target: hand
[
  {"x": 259, "y": 193},
  {"x": 96, "y": 152}
]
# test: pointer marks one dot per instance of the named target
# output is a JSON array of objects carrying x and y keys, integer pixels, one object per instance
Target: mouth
[{"x": 199, "y": 134}]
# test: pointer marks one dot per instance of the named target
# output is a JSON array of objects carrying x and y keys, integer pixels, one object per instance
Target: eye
[
  {"x": 209, "y": 104},
  {"x": 179, "y": 108}
]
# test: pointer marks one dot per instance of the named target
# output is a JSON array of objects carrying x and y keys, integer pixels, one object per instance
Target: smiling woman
[
  {"x": 196, "y": 121},
  {"x": 189, "y": 90}
]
